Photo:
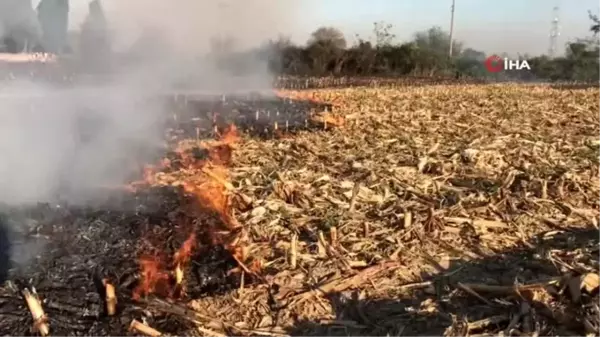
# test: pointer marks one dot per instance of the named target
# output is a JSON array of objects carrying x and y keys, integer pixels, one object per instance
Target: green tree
[
  {"x": 582, "y": 57},
  {"x": 437, "y": 41},
  {"x": 433, "y": 45},
  {"x": 326, "y": 48},
  {"x": 94, "y": 38},
  {"x": 595, "y": 28},
  {"x": 383, "y": 35},
  {"x": 53, "y": 16},
  {"x": 329, "y": 36},
  {"x": 472, "y": 54},
  {"x": 470, "y": 63},
  {"x": 19, "y": 27}
]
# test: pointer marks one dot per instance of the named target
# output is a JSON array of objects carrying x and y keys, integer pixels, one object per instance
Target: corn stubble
[{"x": 453, "y": 180}]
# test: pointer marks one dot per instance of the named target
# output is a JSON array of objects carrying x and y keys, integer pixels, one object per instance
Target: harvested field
[
  {"x": 430, "y": 210},
  {"x": 442, "y": 186},
  {"x": 301, "y": 82}
]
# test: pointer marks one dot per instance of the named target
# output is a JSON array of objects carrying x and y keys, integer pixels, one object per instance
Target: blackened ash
[{"x": 83, "y": 245}]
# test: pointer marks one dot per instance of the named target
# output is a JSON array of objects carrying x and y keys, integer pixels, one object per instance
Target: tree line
[
  {"x": 326, "y": 53},
  {"x": 44, "y": 29}
]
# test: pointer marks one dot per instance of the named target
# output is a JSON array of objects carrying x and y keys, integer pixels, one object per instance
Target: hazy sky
[{"x": 493, "y": 26}]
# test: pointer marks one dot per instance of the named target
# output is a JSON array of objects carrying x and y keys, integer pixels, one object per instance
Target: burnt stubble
[{"x": 83, "y": 244}]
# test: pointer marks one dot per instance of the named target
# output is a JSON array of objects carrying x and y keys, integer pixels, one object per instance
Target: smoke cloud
[
  {"x": 182, "y": 37},
  {"x": 66, "y": 142},
  {"x": 18, "y": 18}
]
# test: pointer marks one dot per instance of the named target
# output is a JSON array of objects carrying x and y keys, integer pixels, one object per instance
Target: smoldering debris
[
  {"x": 44, "y": 151},
  {"x": 66, "y": 146},
  {"x": 95, "y": 276},
  {"x": 77, "y": 140},
  {"x": 90, "y": 246}
]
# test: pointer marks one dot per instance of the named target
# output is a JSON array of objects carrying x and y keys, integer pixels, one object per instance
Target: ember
[
  {"x": 256, "y": 115},
  {"x": 210, "y": 195},
  {"x": 153, "y": 279}
]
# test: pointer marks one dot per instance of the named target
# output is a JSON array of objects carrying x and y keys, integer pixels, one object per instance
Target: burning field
[{"x": 424, "y": 210}]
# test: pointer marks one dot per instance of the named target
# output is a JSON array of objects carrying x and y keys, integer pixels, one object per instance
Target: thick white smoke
[
  {"x": 18, "y": 18},
  {"x": 67, "y": 142}
]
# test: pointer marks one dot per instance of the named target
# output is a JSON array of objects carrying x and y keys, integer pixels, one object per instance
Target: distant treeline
[
  {"x": 44, "y": 29},
  {"x": 427, "y": 55},
  {"x": 326, "y": 53}
]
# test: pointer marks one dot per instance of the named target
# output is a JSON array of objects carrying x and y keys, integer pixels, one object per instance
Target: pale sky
[
  {"x": 492, "y": 26},
  {"x": 489, "y": 25}
]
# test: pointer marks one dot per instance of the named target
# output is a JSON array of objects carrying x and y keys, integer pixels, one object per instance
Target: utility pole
[
  {"x": 554, "y": 32},
  {"x": 451, "y": 29}
]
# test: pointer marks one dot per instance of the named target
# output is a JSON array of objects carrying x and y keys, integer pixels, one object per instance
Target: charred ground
[{"x": 83, "y": 245}]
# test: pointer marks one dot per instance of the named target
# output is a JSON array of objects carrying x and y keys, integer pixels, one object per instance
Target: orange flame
[
  {"x": 329, "y": 119},
  {"x": 185, "y": 252},
  {"x": 230, "y": 136},
  {"x": 152, "y": 279},
  {"x": 211, "y": 194},
  {"x": 308, "y": 96},
  {"x": 210, "y": 190}
]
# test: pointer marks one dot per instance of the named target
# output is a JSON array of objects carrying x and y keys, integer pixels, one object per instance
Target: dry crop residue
[{"x": 447, "y": 209}]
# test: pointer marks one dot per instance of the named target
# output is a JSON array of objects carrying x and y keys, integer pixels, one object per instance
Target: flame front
[
  {"x": 152, "y": 278},
  {"x": 210, "y": 187}
]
